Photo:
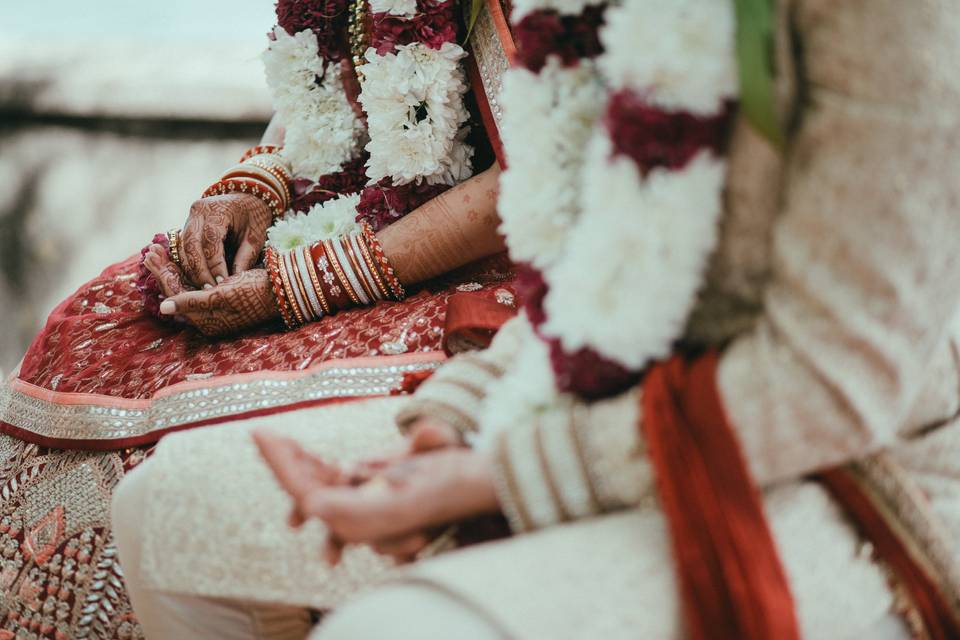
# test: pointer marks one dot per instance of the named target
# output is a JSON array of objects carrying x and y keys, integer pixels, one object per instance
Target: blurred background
[{"x": 114, "y": 116}]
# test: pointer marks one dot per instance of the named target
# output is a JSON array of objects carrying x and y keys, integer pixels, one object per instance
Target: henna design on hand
[
  {"x": 212, "y": 220},
  {"x": 167, "y": 273},
  {"x": 239, "y": 302}
]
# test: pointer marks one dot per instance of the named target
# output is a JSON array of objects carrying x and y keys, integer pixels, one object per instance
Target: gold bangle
[{"x": 173, "y": 246}]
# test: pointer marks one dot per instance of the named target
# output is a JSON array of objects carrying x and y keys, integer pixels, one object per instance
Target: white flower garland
[
  {"x": 625, "y": 263},
  {"x": 525, "y": 390},
  {"x": 402, "y": 8},
  {"x": 413, "y": 98},
  {"x": 547, "y": 121},
  {"x": 322, "y": 131},
  {"x": 322, "y": 222},
  {"x": 627, "y": 284},
  {"x": 416, "y": 120},
  {"x": 688, "y": 59}
]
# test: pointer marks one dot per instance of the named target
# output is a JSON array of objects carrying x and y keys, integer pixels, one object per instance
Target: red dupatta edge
[{"x": 731, "y": 580}]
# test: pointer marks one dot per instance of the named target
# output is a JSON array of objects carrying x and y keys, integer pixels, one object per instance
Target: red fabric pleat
[
  {"x": 472, "y": 321},
  {"x": 731, "y": 579},
  {"x": 939, "y": 620}
]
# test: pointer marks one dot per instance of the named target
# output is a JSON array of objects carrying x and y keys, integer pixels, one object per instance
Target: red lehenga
[{"x": 103, "y": 381}]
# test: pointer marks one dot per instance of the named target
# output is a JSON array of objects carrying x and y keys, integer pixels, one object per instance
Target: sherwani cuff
[
  {"x": 574, "y": 462},
  {"x": 453, "y": 394}
]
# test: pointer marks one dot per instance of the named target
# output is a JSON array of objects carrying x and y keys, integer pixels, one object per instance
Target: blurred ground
[{"x": 113, "y": 117}]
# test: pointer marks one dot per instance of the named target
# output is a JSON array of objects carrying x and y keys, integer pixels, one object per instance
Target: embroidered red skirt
[{"x": 104, "y": 375}]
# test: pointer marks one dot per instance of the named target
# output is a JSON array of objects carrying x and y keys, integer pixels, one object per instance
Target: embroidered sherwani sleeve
[
  {"x": 865, "y": 287},
  {"x": 576, "y": 461},
  {"x": 455, "y": 392}
]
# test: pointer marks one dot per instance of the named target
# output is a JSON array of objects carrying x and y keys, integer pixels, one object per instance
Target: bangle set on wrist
[
  {"x": 346, "y": 271},
  {"x": 261, "y": 172},
  {"x": 308, "y": 282}
]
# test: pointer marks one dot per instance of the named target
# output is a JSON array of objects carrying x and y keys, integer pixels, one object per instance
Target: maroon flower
[
  {"x": 326, "y": 18},
  {"x": 584, "y": 372},
  {"x": 656, "y": 138},
  {"x": 588, "y": 374},
  {"x": 434, "y": 24},
  {"x": 383, "y": 204},
  {"x": 307, "y": 193},
  {"x": 543, "y": 33},
  {"x": 147, "y": 284},
  {"x": 531, "y": 289}
]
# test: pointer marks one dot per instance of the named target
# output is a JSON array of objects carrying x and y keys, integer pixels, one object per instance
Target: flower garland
[
  {"x": 322, "y": 131},
  {"x": 415, "y": 114},
  {"x": 324, "y": 221},
  {"x": 615, "y": 274},
  {"x": 406, "y": 147}
]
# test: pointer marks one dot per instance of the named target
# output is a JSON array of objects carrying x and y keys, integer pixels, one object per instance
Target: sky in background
[{"x": 168, "y": 20}]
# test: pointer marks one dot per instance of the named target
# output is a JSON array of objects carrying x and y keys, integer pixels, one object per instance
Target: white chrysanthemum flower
[
  {"x": 324, "y": 221},
  {"x": 322, "y": 131},
  {"x": 626, "y": 285},
  {"x": 547, "y": 120},
  {"x": 688, "y": 59},
  {"x": 527, "y": 388},
  {"x": 402, "y": 8},
  {"x": 413, "y": 99},
  {"x": 520, "y": 8}
]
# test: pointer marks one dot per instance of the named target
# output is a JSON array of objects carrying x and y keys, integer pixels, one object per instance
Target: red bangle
[{"x": 334, "y": 294}]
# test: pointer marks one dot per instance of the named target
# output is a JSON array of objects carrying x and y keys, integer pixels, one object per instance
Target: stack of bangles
[
  {"x": 331, "y": 275},
  {"x": 262, "y": 172}
]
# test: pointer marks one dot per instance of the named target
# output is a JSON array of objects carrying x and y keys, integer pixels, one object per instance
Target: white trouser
[{"x": 169, "y": 616}]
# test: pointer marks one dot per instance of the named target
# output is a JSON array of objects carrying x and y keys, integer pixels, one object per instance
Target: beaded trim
[
  {"x": 94, "y": 422},
  {"x": 491, "y": 59}
]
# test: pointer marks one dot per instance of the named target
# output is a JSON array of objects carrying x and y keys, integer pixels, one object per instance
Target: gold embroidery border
[
  {"x": 905, "y": 508},
  {"x": 92, "y": 422},
  {"x": 492, "y": 62}
]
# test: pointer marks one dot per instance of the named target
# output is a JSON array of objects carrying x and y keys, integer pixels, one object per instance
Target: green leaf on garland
[
  {"x": 474, "y": 7},
  {"x": 755, "y": 61}
]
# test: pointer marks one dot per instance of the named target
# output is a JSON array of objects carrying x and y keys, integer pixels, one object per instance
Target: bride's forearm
[
  {"x": 273, "y": 135},
  {"x": 454, "y": 229}
]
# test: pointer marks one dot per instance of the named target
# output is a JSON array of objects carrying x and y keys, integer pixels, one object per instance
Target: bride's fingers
[
  {"x": 187, "y": 302},
  {"x": 165, "y": 272}
]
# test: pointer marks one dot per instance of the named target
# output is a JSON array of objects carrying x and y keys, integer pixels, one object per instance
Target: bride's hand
[
  {"x": 239, "y": 302},
  {"x": 242, "y": 217}
]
